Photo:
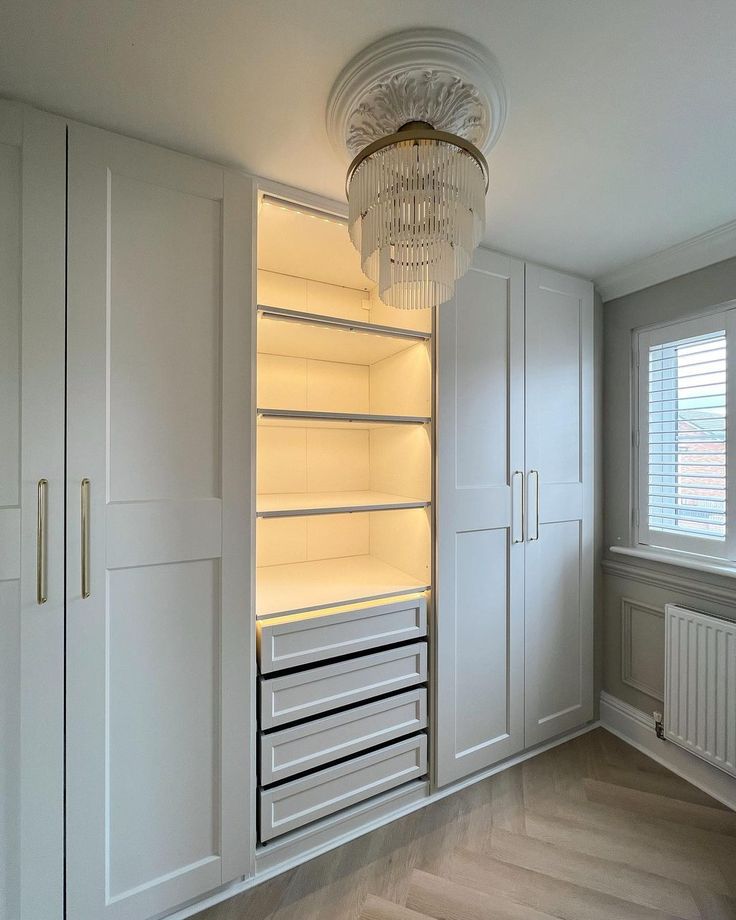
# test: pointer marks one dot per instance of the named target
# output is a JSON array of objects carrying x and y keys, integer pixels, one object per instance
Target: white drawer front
[
  {"x": 308, "y": 693},
  {"x": 313, "y": 744},
  {"x": 301, "y": 801},
  {"x": 288, "y": 642}
]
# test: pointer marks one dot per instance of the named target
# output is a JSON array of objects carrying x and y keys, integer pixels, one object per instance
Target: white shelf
[
  {"x": 324, "y": 319},
  {"x": 307, "y": 419},
  {"x": 306, "y": 335},
  {"x": 302, "y": 586},
  {"x": 293, "y": 504}
]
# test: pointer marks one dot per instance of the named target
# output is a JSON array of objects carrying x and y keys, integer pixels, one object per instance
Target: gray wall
[{"x": 635, "y": 592}]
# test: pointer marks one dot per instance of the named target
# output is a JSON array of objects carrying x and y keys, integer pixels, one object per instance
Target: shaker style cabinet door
[
  {"x": 32, "y": 271},
  {"x": 11, "y": 132},
  {"x": 559, "y": 462},
  {"x": 159, "y": 704},
  {"x": 480, "y": 572}
]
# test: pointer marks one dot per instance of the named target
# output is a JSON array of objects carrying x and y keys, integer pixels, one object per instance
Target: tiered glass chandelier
[
  {"x": 417, "y": 112},
  {"x": 417, "y": 212}
]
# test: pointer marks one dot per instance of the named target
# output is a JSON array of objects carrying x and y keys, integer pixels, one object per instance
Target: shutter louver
[{"x": 687, "y": 437}]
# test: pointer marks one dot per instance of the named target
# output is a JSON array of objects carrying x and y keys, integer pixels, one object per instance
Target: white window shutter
[{"x": 686, "y": 371}]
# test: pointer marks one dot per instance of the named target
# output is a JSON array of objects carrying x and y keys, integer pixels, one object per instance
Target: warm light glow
[
  {"x": 343, "y": 608},
  {"x": 303, "y": 211},
  {"x": 417, "y": 213}
]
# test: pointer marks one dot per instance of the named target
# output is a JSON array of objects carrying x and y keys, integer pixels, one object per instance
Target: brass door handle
[
  {"x": 41, "y": 540},
  {"x": 84, "y": 502}
]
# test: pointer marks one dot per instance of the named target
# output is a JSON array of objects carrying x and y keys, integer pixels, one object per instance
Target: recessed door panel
[
  {"x": 482, "y": 630},
  {"x": 554, "y": 397},
  {"x": 482, "y": 324},
  {"x": 556, "y": 630},
  {"x": 164, "y": 342},
  {"x": 163, "y": 671}
]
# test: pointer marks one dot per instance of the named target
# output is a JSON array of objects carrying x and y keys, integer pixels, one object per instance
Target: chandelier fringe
[{"x": 416, "y": 214}]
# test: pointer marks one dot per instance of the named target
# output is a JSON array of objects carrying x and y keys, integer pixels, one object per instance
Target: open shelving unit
[
  {"x": 301, "y": 586},
  {"x": 330, "y": 338},
  {"x": 337, "y": 419},
  {"x": 344, "y": 434},
  {"x": 299, "y": 503}
]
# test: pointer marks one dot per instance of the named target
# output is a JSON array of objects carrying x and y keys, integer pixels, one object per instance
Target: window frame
[{"x": 693, "y": 546}]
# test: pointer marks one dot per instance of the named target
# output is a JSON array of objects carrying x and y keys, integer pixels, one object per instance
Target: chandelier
[{"x": 415, "y": 111}]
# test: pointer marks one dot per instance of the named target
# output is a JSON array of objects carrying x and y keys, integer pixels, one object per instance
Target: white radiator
[{"x": 700, "y": 685}]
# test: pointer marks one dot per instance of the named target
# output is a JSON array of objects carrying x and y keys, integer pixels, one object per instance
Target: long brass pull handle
[
  {"x": 41, "y": 541},
  {"x": 84, "y": 500},
  {"x": 517, "y": 533},
  {"x": 535, "y": 474}
]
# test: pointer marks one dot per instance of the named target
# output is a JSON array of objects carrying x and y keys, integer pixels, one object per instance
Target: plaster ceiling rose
[{"x": 417, "y": 112}]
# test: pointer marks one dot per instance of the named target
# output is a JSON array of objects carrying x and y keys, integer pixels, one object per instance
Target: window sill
[{"x": 682, "y": 560}]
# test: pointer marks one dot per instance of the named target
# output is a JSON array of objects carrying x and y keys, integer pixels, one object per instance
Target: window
[{"x": 686, "y": 446}]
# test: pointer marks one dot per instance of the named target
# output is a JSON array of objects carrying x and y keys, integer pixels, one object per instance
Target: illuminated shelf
[
  {"x": 322, "y": 319},
  {"x": 302, "y": 419},
  {"x": 300, "y": 586},
  {"x": 293, "y": 504},
  {"x": 327, "y": 338}
]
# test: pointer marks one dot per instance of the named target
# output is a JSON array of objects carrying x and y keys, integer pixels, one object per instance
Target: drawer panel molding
[
  {"x": 298, "y": 802},
  {"x": 301, "y": 695},
  {"x": 304, "y": 639},
  {"x": 313, "y": 744}
]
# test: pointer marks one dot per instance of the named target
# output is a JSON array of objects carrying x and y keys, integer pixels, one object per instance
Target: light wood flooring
[{"x": 592, "y": 830}]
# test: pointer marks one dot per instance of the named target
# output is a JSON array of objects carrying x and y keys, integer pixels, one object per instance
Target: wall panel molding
[
  {"x": 644, "y": 675},
  {"x": 675, "y": 581}
]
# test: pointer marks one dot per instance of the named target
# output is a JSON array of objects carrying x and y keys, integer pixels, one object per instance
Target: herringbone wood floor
[{"x": 592, "y": 830}]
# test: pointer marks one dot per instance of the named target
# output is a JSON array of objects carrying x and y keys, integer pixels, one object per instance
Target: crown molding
[{"x": 706, "y": 249}]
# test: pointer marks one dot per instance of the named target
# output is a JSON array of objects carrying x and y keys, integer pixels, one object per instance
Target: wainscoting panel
[
  {"x": 633, "y": 598},
  {"x": 642, "y": 647}
]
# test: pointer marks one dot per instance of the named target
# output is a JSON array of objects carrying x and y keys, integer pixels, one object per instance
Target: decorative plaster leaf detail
[{"x": 441, "y": 98}]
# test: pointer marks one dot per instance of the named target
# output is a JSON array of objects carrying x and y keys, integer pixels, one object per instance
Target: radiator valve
[{"x": 658, "y": 724}]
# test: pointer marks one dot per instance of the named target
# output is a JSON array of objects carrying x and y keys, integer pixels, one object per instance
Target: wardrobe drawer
[
  {"x": 301, "y": 801},
  {"x": 290, "y": 697},
  {"x": 313, "y": 744},
  {"x": 302, "y": 639}
]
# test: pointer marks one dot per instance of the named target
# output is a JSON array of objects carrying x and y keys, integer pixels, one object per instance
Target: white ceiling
[{"x": 620, "y": 138}]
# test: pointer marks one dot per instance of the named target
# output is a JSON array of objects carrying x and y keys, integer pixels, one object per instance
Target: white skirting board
[{"x": 637, "y": 728}]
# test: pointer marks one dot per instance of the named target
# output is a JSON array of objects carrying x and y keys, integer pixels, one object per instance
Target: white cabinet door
[
  {"x": 11, "y": 129},
  {"x": 480, "y": 573},
  {"x": 32, "y": 244},
  {"x": 160, "y": 709},
  {"x": 559, "y": 460}
]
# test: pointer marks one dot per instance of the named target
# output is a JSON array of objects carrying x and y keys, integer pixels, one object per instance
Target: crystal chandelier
[
  {"x": 415, "y": 111},
  {"x": 417, "y": 212}
]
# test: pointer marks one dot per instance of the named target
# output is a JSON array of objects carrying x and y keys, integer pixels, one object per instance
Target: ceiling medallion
[{"x": 417, "y": 112}]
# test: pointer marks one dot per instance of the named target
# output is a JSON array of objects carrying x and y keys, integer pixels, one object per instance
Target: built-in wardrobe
[{"x": 280, "y": 563}]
